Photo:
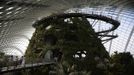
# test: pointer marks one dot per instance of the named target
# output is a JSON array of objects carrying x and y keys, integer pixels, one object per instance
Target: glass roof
[
  {"x": 125, "y": 39},
  {"x": 17, "y": 17}
]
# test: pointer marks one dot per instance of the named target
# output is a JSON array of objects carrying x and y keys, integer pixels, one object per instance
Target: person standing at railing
[
  {"x": 16, "y": 61},
  {"x": 22, "y": 60}
]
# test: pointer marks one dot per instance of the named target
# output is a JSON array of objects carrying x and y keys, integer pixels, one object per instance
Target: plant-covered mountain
[
  {"x": 75, "y": 47},
  {"x": 73, "y": 41}
]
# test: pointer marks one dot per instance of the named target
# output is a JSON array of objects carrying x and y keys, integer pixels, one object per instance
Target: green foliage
[
  {"x": 4, "y": 60},
  {"x": 1, "y": 59},
  {"x": 123, "y": 64}
]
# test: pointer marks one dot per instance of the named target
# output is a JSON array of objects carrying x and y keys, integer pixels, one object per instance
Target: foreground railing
[{"x": 24, "y": 66}]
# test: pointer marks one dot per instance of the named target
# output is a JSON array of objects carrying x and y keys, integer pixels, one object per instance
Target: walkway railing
[{"x": 23, "y": 66}]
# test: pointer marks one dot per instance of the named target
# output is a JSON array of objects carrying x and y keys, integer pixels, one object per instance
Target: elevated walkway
[{"x": 24, "y": 67}]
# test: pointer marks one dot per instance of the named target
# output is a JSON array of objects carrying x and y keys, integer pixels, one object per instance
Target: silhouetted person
[{"x": 57, "y": 54}]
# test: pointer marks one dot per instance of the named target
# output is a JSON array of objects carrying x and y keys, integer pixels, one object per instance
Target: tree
[{"x": 123, "y": 64}]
